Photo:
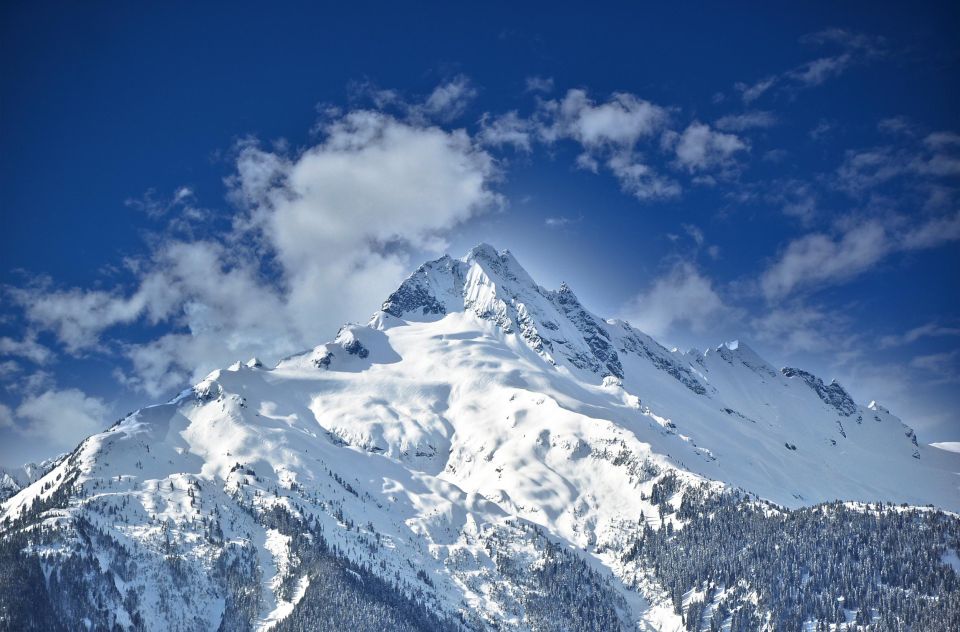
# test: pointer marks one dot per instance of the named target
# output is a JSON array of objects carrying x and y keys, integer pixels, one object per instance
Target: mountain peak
[
  {"x": 477, "y": 417},
  {"x": 442, "y": 285},
  {"x": 738, "y": 350},
  {"x": 741, "y": 349},
  {"x": 832, "y": 394},
  {"x": 495, "y": 287},
  {"x": 483, "y": 251}
]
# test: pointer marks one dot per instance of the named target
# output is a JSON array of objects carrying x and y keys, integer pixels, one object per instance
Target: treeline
[{"x": 756, "y": 564}]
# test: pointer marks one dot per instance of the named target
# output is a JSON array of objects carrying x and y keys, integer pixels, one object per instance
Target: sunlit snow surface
[{"x": 474, "y": 398}]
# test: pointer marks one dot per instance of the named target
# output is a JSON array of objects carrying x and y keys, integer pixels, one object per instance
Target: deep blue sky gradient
[{"x": 101, "y": 102}]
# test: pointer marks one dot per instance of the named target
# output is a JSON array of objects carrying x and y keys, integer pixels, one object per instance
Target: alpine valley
[{"x": 487, "y": 454}]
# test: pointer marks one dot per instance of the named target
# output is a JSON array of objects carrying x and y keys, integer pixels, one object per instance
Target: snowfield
[{"x": 477, "y": 423}]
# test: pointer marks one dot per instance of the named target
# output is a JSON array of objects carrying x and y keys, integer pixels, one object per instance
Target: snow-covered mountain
[
  {"x": 478, "y": 448},
  {"x": 12, "y": 480}
]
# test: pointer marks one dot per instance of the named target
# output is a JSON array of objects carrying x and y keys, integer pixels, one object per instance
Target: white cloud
[
  {"x": 324, "y": 235},
  {"x": 76, "y": 316},
  {"x": 868, "y": 169},
  {"x": 941, "y": 140},
  {"x": 561, "y": 221},
  {"x": 373, "y": 181},
  {"x": 896, "y": 125},
  {"x": 214, "y": 292},
  {"x": 775, "y": 155},
  {"x": 506, "y": 129},
  {"x": 943, "y": 363},
  {"x": 35, "y": 382},
  {"x": 747, "y": 120},
  {"x": 752, "y": 92},
  {"x": 927, "y": 330},
  {"x": 539, "y": 84},
  {"x": 27, "y": 348},
  {"x": 621, "y": 121},
  {"x": 609, "y": 133},
  {"x": 798, "y": 327},
  {"x": 449, "y": 100},
  {"x": 8, "y": 368},
  {"x": 6, "y": 416},
  {"x": 867, "y": 45},
  {"x": 699, "y": 147},
  {"x": 373, "y": 178},
  {"x": 921, "y": 173},
  {"x": 62, "y": 417},
  {"x": 640, "y": 180},
  {"x": 939, "y": 164},
  {"x": 821, "y": 130},
  {"x": 695, "y": 232},
  {"x": 366, "y": 90},
  {"x": 683, "y": 296},
  {"x": 816, "y": 72},
  {"x": 150, "y": 204},
  {"x": 796, "y": 198},
  {"x": 588, "y": 163},
  {"x": 802, "y": 208},
  {"x": 933, "y": 233},
  {"x": 228, "y": 310},
  {"x": 820, "y": 259},
  {"x": 852, "y": 49}
]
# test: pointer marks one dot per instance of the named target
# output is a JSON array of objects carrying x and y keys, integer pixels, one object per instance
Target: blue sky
[{"x": 185, "y": 186}]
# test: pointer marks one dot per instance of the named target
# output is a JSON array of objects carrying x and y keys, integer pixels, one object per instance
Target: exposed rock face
[
  {"x": 832, "y": 394},
  {"x": 416, "y": 295}
]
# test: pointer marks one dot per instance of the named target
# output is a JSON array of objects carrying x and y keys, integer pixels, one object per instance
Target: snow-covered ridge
[
  {"x": 12, "y": 480},
  {"x": 475, "y": 410},
  {"x": 495, "y": 287}
]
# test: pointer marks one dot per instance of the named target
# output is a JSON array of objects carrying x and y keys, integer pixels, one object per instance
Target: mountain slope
[
  {"x": 12, "y": 480},
  {"x": 725, "y": 414},
  {"x": 481, "y": 444}
]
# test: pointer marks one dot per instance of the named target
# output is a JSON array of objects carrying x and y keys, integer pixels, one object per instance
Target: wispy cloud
[
  {"x": 800, "y": 327},
  {"x": 818, "y": 259},
  {"x": 609, "y": 133},
  {"x": 700, "y": 148},
  {"x": 682, "y": 296},
  {"x": 822, "y": 130},
  {"x": 449, "y": 100},
  {"x": 446, "y": 102},
  {"x": 539, "y": 84},
  {"x": 944, "y": 365},
  {"x": 927, "y": 330},
  {"x": 756, "y": 119},
  {"x": 928, "y": 167},
  {"x": 562, "y": 221},
  {"x": 751, "y": 92},
  {"x": 851, "y": 49},
  {"x": 27, "y": 347},
  {"x": 621, "y": 121},
  {"x": 507, "y": 130},
  {"x": 62, "y": 418}
]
